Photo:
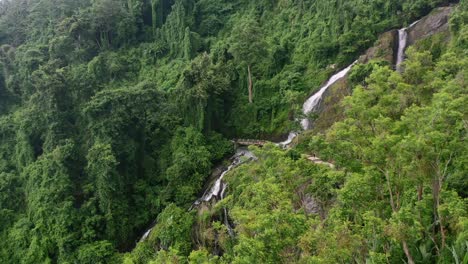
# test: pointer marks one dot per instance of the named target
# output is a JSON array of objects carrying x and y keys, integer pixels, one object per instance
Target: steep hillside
[
  {"x": 394, "y": 185},
  {"x": 384, "y": 52},
  {"x": 113, "y": 114}
]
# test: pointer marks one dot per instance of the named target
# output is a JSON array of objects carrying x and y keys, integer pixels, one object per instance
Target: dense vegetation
[{"x": 113, "y": 113}]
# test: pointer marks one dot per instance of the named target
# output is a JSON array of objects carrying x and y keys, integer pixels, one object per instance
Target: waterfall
[
  {"x": 402, "y": 43},
  {"x": 218, "y": 189},
  {"x": 288, "y": 141},
  {"x": 146, "y": 234},
  {"x": 402, "y": 38},
  {"x": 311, "y": 104}
]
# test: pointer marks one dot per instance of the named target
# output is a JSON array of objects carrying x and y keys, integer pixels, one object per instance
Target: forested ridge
[{"x": 113, "y": 115}]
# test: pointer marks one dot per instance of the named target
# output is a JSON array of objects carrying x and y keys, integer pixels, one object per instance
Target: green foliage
[
  {"x": 99, "y": 252},
  {"x": 403, "y": 139},
  {"x": 202, "y": 93},
  {"x": 190, "y": 163},
  {"x": 173, "y": 230},
  {"x": 113, "y": 113}
]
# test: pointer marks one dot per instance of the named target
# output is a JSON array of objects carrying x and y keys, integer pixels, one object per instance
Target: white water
[
  {"x": 146, "y": 234},
  {"x": 226, "y": 223},
  {"x": 219, "y": 187},
  {"x": 402, "y": 43},
  {"x": 311, "y": 104},
  {"x": 288, "y": 141},
  {"x": 402, "y": 38}
]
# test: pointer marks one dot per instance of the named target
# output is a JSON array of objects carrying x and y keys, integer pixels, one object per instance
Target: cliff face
[
  {"x": 385, "y": 48},
  {"x": 431, "y": 24}
]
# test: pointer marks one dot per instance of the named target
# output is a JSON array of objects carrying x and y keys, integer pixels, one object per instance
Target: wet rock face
[{"x": 431, "y": 24}]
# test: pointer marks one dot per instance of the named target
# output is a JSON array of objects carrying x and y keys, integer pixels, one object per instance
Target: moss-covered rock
[{"x": 385, "y": 48}]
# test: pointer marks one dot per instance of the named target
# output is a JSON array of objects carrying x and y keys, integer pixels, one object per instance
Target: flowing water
[
  {"x": 218, "y": 189},
  {"x": 146, "y": 234},
  {"x": 402, "y": 37},
  {"x": 288, "y": 141},
  {"x": 402, "y": 43},
  {"x": 312, "y": 102}
]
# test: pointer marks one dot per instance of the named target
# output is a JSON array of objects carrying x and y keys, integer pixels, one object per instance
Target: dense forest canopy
[{"x": 113, "y": 114}]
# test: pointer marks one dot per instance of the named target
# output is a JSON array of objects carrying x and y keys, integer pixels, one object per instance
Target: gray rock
[
  {"x": 310, "y": 205},
  {"x": 434, "y": 23}
]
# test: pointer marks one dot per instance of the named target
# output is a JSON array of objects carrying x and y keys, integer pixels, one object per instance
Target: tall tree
[{"x": 248, "y": 47}]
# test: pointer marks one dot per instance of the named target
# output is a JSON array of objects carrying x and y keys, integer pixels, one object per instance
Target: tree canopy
[{"x": 114, "y": 115}]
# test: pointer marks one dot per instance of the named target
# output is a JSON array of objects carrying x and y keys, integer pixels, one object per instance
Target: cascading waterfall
[
  {"x": 218, "y": 189},
  {"x": 146, "y": 234},
  {"x": 312, "y": 102},
  {"x": 288, "y": 141},
  {"x": 402, "y": 43},
  {"x": 402, "y": 37}
]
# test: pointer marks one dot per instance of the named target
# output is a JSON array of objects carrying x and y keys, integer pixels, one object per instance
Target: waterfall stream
[
  {"x": 146, "y": 234},
  {"x": 402, "y": 38},
  {"x": 312, "y": 102},
  {"x": 218, "y": 188},
  {"x": 402, "y": 44},
  {"x": 288, "y": 141}
]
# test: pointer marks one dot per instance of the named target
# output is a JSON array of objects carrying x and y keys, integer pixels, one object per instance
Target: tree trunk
[
  {"x": 130, "y": 7},
  {"x": 420, "y": 192},
  {"x": 437, "y": 186},
  {"x": 250, "y": 85},
  {"x": 154, "y": 22},
  {"x": 392, "y": 202},
  {"x": 396, "y": 208},
  {"x": 407, "y": 253}
]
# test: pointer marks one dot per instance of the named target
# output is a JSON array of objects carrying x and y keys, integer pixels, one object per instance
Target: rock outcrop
[
  {"x": 386, "y": 48},
  {"x": 435, "y": 22}
]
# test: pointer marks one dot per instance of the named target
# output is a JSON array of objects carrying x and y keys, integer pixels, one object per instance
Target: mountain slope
[{"x": 113, "y": 114}]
